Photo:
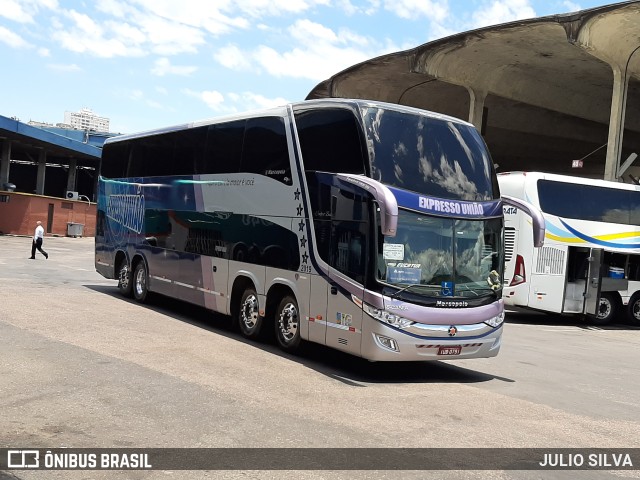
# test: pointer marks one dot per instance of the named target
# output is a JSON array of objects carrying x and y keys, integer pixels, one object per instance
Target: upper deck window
[
  {"x": 589, "y": 202},
  {"x": 428, "y": 155}
]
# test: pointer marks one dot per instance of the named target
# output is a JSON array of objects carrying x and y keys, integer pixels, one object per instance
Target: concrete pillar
[
  {"x": 71, "y": 176},
  {"x": 476, "y": 108},
  {"x": 4, "y": 161},
  {"x": 616, "y": 124},
  {"x": 42, "y": 167}
]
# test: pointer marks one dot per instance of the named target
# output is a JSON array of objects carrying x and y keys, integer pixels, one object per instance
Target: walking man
[{"x": 38, "y": 237}]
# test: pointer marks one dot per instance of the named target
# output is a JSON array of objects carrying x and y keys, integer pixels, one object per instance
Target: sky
[{"x": 147, "y": 64}]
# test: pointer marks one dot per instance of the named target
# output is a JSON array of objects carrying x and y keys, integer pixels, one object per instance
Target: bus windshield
[
  {"x": 442, "y": 257},
  {"x": 430, "y": 155}
]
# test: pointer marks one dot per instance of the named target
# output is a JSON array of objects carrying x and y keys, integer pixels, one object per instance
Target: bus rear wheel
[
  {"x": 249, "y": 319},
  {"x": 140, "y": 282},
  {"x": 607, "y": 309},
  {"x": 633, "y": 309},
  {"x": 287, "y": 323},
  {"x": 125, "y": 285}
]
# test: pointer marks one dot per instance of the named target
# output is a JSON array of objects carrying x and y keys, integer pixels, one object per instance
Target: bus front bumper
[{"x": 383, "y": 343}]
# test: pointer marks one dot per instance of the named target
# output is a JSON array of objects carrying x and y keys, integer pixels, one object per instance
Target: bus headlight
[
  {"x": 496, "y": 321},
  {"x": 386, "y": 317}
]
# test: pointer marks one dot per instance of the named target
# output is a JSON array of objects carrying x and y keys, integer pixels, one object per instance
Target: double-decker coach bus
[
  {"x": 590, "y": 262},
  {"x": 371, "y": 228}
]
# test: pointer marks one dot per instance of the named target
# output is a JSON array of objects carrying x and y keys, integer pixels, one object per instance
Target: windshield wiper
[{"x": 395, "y": 294}]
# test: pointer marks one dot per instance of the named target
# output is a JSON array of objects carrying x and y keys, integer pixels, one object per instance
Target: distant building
[{"x": 85, "y": 119}]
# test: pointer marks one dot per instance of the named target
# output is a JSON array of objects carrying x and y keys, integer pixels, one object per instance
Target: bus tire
[
  {"x": 125, "y": 285},
  {"x": 607, "y": 310},
  {"x": 287, "y": 323},
  {"x": 140, "y": 282},
  {"x": 633, "y": 309},
  {"x": 250, "y": 321}
]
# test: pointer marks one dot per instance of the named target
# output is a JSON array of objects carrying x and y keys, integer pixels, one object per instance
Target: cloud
[
  {"x": 163, "y": 67},
  {"x": 12, "y": 39},
  {"x": 319, "y": 53},
  {"x": 571, "y": 6},
  {"x": 235, "y": 102},
  {"x": 502, "y": 11},
  {"x": 24, "y": 11},
  {"x": 233, "y": 58},
  {"x": 435, "y": 10}
]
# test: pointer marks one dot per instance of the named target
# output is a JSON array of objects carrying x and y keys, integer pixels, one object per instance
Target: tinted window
[
  {"x": 166, "y": 154},
  {"x": 115, "y": 157},
  {"x": 330, "y": 141},
  {"x": 587, "y": 202},
  {"x": 224, "y": 148},
  {"x": 433, "y": 156},
  {"x": 265, "y": 149}
]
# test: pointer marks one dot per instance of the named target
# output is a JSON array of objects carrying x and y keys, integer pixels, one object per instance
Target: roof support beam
[
  {"x": 5, "y": 161},
  {"x": 42, "y": 168},
  {"x": 616, "y": 123},
  {"x": 476, "y": 108}
]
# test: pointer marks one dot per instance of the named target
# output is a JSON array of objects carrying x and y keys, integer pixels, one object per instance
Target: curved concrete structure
[{"x": 543, "y": 92}]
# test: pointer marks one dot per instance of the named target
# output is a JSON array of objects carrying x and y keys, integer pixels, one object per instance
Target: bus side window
[
  {"x": 265, "y": 150},
  {"x": 330, "y": 141},
  {"x": 113, "y": 163},
  {"x": 223, "y": 148}
]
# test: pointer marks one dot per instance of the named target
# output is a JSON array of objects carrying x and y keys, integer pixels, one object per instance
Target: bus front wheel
[
  {"x": 288, "y": 324},
  {"x": 607, "y": 310},
  {"x": 140, "y": 282},
  {"x": 634, "y": 309},
  {"x": 249, "y": 319},
  {"x": 125, "y": 285}
]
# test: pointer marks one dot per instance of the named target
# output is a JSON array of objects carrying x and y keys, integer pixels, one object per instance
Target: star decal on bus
[
  {"x": 301, "y": 226},
  {"x": 296, "y": 194},
  {"x": 303, "y": 241},
  {"x": 299, "y": 210}
]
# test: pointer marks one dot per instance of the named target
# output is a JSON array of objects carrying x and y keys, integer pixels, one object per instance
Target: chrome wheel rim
[
  {"x": 288, "y": 322},
  {"x": 249, "y": 312},
  {"x": 141, "y": 282}
]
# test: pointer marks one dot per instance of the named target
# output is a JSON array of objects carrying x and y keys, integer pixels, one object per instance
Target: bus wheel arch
[
  {"x": 608, "y": 308},
  {"x": 123, "y": 274},
  {"x": 140, "y": 279},
  {"x": 633, "y": 309}
]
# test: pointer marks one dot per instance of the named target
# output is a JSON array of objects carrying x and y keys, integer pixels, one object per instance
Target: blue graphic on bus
[{"x": 446, "y": 289}]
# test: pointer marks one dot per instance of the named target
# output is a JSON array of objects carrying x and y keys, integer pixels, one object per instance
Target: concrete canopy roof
[{"x": 546, "y": 85}]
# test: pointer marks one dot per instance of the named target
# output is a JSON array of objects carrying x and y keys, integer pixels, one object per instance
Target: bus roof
[
  {"x": 281, "y": 111},
  {"x": 529, "y": 177}
]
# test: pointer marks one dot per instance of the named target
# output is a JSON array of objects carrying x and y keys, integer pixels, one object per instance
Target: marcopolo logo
[{"x": 23, "y": 459}]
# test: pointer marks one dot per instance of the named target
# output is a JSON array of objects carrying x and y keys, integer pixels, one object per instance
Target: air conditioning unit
[{"x": 72, "y": 195}]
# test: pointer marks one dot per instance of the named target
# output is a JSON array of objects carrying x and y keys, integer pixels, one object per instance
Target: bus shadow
[
  {"x": 532, "y": 317},
  {"x": 341, "y": 366}
]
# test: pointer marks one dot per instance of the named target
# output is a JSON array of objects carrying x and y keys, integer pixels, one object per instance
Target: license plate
[{"x": 455, "y": 350}]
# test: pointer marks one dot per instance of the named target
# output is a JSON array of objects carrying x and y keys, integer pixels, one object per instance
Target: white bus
[
  {"x": 371, "y": 228},
  {"x": 590, "y": 262}
]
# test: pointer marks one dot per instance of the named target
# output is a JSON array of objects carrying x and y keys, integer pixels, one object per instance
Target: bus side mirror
[
  {"x": 536, "y": 217},
  {"x": 386, "y": 200}
]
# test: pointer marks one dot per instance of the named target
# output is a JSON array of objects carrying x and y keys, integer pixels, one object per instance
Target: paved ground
[{"x": 82, "y": 367}]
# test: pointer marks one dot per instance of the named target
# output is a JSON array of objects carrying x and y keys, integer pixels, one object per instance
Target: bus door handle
[
  {"x": 334, "y": 290},
  {"x": 215, "y": 269}
]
